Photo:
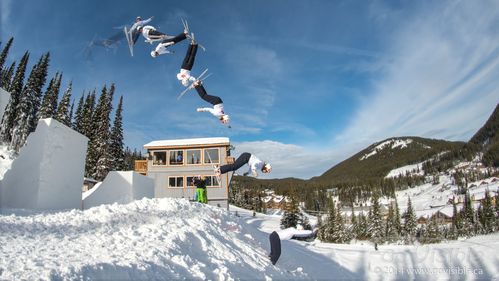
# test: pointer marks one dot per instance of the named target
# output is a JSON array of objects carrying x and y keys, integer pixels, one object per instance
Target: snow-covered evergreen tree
[
  {"x": 78, "y": 115},
  {"x": 468, "y": 217},
  {"x": 5, "y": 52},
  {"x": 396, "y": 218},
  {"x": 62, "y": 114},
  {"x": 410, "y": 222},
  {"x": 432, "y": 233},
  {"x": 6, "y": 76},
  {"x": 88, "y": 116},
  {"x": 42, "y": 73},
  {"x": 391, "y": 232},
  {"x": 362, "y": 230},
  {"x": 116, "y": 146},
  {"x": 488, "y": 214},
  {"x": 100, "y": 143},
  {"x": 27, "y": 106},
  {"x": 291, "y": 215},
  {"x": 376, "y": 225},
  {"x": 15, "y": 89},
  {"x": 48, "y": 108}
]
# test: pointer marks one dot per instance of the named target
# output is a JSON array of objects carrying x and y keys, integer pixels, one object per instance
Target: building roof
[{"x": 187, "y": 142}]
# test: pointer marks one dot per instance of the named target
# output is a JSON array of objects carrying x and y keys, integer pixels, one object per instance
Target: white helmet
[
  {"x": 267, "y": 167},
  {"x": 154, "y": 54},
  {"x": 225, "y": 119}
]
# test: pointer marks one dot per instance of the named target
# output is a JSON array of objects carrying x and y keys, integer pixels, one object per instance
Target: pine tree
[
  {"x": 396, "y": 219},
  {"x": 338, "y": 232},
  {"x": 5, "y": 52},
  {"x": 88, "y": 116},
  {"x": 391, "y": 232},
  {"x": 324, "y": 233},
  {"x": 432, "y": 233},
  {"x": 376, "y": 226},
  {"x": 40, "y": 82},
  {"x": 362, "y": 230},
  {"x": 116, "y": 146},
  {"x": 6, "y": 76},
  {"x": 78, "y": 116},
  {"x": 468, "y": 217},
  {"x": 291, "y": 216},
  {"x": 27, "y": 107},
  {"x": 456, "y": 222},
  {"x": 489, "y": 217},
  {"x": 101, "y": 141},
  {"x": 10, "y": 114},
  {"x": 63, "y": 108},
  {"x": 48, "y": 108},
  {"x": 410, "y": 222}
]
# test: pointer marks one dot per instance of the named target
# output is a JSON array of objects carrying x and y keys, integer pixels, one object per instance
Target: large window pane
[
  {"x": 212, "y": 181},
  {"x": 211, "y": 156},
  {"x": 176, "y": 182},
  {"x": 159, "y": 158},
  {"x": 193, "y": 156},
  {"x": 176, "y": 157},
  {"x": 189, "y": 182}
]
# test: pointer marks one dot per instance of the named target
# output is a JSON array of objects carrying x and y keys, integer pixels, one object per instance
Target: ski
[
  {"x": 129, "y": 40},
  {"x": 275, "y": 247},
  {"x": 191, "y": 86}
]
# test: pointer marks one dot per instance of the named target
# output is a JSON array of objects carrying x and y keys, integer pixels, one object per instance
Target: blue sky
[{"x": 306, "y": 83}]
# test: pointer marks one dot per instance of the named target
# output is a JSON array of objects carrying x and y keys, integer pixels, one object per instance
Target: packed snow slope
[
  {"x": 165, "y": 239},
  {"x": 147, "y": 239}
]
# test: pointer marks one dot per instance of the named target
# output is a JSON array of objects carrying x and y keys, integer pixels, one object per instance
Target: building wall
[{"x": 161, "y": 174}]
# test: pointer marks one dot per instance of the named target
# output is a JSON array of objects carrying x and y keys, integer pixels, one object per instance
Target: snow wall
[
  {"x": 119, "y": 187},
  {"x": 48, "y": 173},
  {"x": 4, "y": 100}
]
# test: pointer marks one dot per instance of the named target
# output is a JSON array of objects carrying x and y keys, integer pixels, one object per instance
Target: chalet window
[
  {"x": 159, "y": 158},
  {"x": 211, "y": 181},
  {"x": 189, "y": 182},
  {"x": 176, "y": 182},
  {"x": 211, "y": 156},
  {"x": 193, "y": 156},
  {"x": 176, "y": 157}
]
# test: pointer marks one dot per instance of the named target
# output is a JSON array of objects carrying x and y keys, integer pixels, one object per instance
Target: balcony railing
[{"x": 141, "y": 166}]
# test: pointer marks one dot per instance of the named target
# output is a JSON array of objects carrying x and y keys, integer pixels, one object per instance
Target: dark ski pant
[
  {"x": 176, "y": 39},
  {"x": 214, "y": 100},
  {"x": 240, "y": 161},
  {"x": 189, "y": 57}
]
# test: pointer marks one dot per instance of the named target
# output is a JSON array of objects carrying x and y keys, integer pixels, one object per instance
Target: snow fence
[
  {"x": 48, "y": 173},
  {"x": 119, "y": 187}
]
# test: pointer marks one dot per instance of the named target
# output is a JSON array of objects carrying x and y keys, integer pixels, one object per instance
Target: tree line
[
  {"x": 399, "y": 228},
  {"x": 29, "y": 102}
]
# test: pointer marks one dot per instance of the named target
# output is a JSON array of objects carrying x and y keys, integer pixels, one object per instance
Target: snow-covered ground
[{"x": 175, "y": 239}]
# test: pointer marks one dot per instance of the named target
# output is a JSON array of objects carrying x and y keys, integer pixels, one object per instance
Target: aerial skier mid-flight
[
  {"x": 218, "y": 106},
  {"x": 184, "y": 76},
  {"x": 166, "y": 41},
  {"x": 253, "y": 162}
]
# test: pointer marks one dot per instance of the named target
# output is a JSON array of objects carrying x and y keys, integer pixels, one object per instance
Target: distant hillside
[
  {"x": 378, "y": 159},
  {"x": 488, "y": 138}
]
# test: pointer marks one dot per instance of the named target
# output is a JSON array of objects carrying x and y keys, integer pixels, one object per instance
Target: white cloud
[
  {"x": 442, "y": 79},
  {"x": 290, "y": 160}
]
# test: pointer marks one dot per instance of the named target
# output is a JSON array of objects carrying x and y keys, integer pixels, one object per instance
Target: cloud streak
[{"x": 442, "y": 81}]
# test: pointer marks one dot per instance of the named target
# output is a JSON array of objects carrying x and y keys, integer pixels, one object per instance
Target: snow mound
[{"x": 147, "y": 239}]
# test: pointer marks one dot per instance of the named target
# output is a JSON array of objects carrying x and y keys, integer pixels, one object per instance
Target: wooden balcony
[{"x": 141, "y": 167}]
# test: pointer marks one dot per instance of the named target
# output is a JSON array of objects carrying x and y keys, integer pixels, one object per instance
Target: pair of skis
[
  {"x": 129, "y": 37},
  {"x": 201, "y": 77}
]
